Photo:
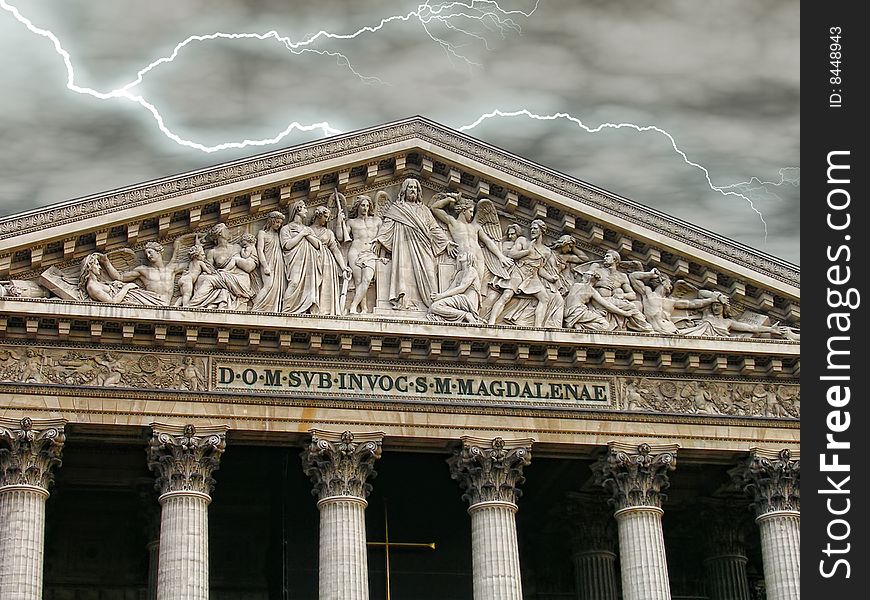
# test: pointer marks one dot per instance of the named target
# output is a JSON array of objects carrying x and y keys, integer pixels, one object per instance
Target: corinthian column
[
  {"x": 339, "y": 465},
  {"x": 28, "y": 452},
  {"x": 772, "y": 479},
  {"x": 726, "y": 550},
  {"x": 183, "y": 459},
  {"x": 593, "y": 546},
  {"x": 489, "y": 473},
  {"x": 635, "y": 477}
]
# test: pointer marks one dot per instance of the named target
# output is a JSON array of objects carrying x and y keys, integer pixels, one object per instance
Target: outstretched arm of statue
[
  {"x": 104, "y": 292},
  {"x": 439, "y": 202},
  {"x": 493, "y": 247},
  {"x": 695, "y": 304},
  {"x": 111, "y": 271},
  {"x": 637, "y": 279},
  {"x": 520, "y": 250},
  {"x": 750, "y": 328},
  {"x": 335, "y": 250}
]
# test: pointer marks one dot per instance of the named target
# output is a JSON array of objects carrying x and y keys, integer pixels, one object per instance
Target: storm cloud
[{"x": 722, "y": 78}]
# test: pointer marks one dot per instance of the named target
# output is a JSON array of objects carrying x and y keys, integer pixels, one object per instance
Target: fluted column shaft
[
  {"x": 22, "y": 515},
  {"x": 153, "y": 554},
  {"x": 343, "y": 568},
  {"x": 495, "y": 556},
  {"x": 780, "y": 551},
  {"x": 29, "y": 451},
  {"x": 642, "y": 554},
  {"x": 595, "y": 575},
  {"x": 340, "y": 465},
  {"x": 184, "y": 459},
  {"x": 726, "y": 577},
  {"x": 589, "y": 521},
  {"x": 772, "y": 479},
  {"x": 489, "y": 471},
  {"x": 636, "y": 477},
  {"x": 182, "y": 571}
]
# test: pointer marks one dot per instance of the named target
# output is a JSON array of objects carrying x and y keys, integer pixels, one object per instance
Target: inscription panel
[
  {"x": 412, "y": 384},
  {"x": 399, "y": 382}
]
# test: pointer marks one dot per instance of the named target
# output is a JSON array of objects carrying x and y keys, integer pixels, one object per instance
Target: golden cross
[{"x": 387, "y": 544}]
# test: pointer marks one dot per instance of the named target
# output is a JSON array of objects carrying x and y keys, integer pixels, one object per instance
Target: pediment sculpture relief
[{"x": 450, "y": 258}]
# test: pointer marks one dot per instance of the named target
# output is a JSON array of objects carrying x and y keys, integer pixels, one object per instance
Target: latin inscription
[{"x": 410, "y": 386}]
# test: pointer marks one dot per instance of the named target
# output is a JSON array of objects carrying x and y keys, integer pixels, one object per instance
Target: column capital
[
  {"x": 590, "y": 522},
  {"x": 184, "y": 457},
  {"x": 771, "y": 478},
  {"x": 636, "y": 475},
  {"x": 725, "y": 521},
  {"x": 29, "y": 450},
  {"x": 490, "y": 470},
  {"x": 339, "y": 464}
]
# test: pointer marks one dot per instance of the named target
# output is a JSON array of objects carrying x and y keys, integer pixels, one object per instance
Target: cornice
[{"x": 416, "y": 129}]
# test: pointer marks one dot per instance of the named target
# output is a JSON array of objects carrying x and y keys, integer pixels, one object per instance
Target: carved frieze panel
[
  {"x": 86, "y": 367},
  {"x": 405, "y": 382},
  {"x": 410, "y": 249},
  {"x": 709, "y": 397}
]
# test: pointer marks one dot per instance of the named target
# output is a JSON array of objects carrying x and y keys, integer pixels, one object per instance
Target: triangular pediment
[{"x": 726, "y": 299}]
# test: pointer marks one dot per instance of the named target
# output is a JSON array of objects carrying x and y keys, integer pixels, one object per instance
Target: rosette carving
[
  {"x": 29, "y": 451},
  {"x": 184, "y": 458},
  {"x": 772, "y": 479},
  {"x": 490, "y": 470},
  {"x": 636, "y": 475},
  {"x": 340, "y": 464}
]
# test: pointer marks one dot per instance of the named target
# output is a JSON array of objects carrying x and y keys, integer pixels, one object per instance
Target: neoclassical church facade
[{"x": 395, "y": 363}]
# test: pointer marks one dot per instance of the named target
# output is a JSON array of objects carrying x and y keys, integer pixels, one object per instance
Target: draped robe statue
[{"x": 413, "y": 236}]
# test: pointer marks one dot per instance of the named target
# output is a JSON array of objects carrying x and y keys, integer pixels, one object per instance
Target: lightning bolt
[
  {"x": 729, "y": 190},
  {"x": 787, "y": 176},
  {"x": 488, "y": 12}
]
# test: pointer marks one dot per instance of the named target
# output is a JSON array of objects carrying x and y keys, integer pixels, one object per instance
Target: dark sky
[{"x": 721, "y": 77}]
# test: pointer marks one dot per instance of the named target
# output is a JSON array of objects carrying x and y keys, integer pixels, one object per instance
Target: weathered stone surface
[
  {"x": 184, "y": 458},
  {"x": 340, "y": 464},
  {"x": 29, "y": 451},
  {"x": 490, "y": 470},
  {"x": 636, "y": 475},
  {"x": 772, "y": 479}
]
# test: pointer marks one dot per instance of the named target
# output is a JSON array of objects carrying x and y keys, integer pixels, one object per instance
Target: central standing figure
[{"x": 413, "y": 236}]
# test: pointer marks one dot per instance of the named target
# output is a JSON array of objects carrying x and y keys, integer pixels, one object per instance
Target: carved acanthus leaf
[
  {"x": 636, "y": 475},
  {"x": 184, "y": 458},
  {"x": 490, "y": 470},
  {"x": 772, "y": 480},
  {"x": 340, "y": 464},
  {"x": 29, "y": 451}
]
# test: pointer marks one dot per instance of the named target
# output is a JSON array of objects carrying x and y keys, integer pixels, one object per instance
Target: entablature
[{"x": 102, "y": 326}]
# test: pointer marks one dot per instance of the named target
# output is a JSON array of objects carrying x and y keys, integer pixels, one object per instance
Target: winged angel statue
[
  {"x": 119, "y": 277},
  {"x": 474, "y": 231}
]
